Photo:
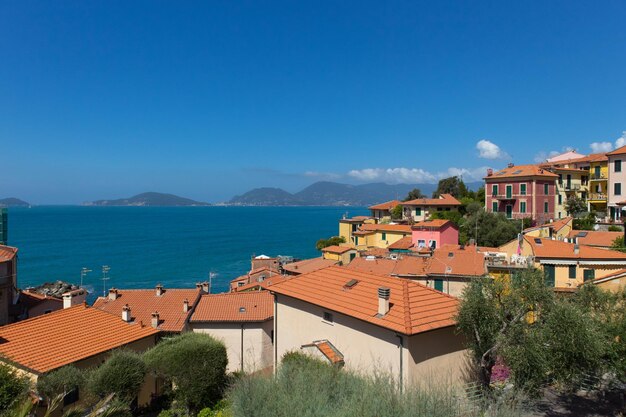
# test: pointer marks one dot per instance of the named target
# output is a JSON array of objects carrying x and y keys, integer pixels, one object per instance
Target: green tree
[
  {"x": 453, "y": 215},
  {"x": 331, "y": 241},
  {"x": 12, "y": 387},
  {"x": 122, "y": 374},
  {"x": 414, "y": 194},
  {"x": 490, "y": 229},
  {"x": 585, "y": 223},
  {"x": 396, "y": 212},
  {"x": 452, "y": 185},
  {"x": 575, "y": 205},
  {"x": 195, "y": 366},
  {"x": 59, "y": 383},
  {"x": 618, "y": 244}
]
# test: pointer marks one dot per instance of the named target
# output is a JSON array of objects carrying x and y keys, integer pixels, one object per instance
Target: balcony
[
  {"x": 597, "y": 198},
  {"x": 501, "y": 196},
  {"x": 598, "y": 177}
]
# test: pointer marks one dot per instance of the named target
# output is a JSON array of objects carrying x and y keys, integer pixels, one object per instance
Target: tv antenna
[
  {"x": 83, "y": 273},
  {"x": 105, "y": 278},
  {"x": 211, "y": 275}
]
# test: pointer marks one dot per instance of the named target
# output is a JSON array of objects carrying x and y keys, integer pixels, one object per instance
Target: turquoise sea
[{"x": 175, "y": 246}]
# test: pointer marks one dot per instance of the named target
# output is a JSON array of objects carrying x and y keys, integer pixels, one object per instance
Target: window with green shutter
[
  {"x": 545, "y": 207},
  {"x": 546, "y": 189},
  {"x": 522, "y": 207},
  {"x": 384, "y": 236},
  {"x": 589, "y": 274},
  {"x": 572, "y": 271},
  {"x": 439, "y": 285},
  {"x": 494, "y": 207},
  {"x": 418, "y": 211},
  {"x": 522, "y": 189},
  {"x": 494, "y": 190}
]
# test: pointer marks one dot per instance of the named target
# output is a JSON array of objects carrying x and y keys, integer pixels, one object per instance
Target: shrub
[
  {"x": 194, "y": 364},
  {"x": 60, "y": 382},
  {"x": 613, "y": 228},
  {"x": 167, "y": 413},
  {"x": 331, "y": 241},
  {"x": 12, "y": 387},
  {"x": 122, "y": 374}
]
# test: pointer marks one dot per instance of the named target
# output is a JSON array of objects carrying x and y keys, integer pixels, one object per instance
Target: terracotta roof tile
[
  {"x": 329, "y": 351},
  {"x": 595, "y": 238},
  {"x": 429, "y": 224},
  {"x": 403, "y": 244},
  {"x": 386, "y": 206},
  {"x": 403, "y": 228},
  {"x": 414, "y": 308},
  {"x": 7, "y": 253},
  {"x": 618, "y": 151},
  {"x": 522, "y": 171},
  {"x": 308, "y": 265},
  {"x": 555, "y": 249},
  {"x": 337, "y": 249},
  {"x": 263, "y": 285},
  {"x": 48, "y": 342},
  {"x": 256, "y": 306},
  {"x": 144, "y": 302},
  {"x": 443, "y": 200}
]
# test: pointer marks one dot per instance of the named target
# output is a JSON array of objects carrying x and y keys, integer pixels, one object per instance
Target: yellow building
[
  {"x": 566, "y": 265},
  {"x": 559, "y": 229},
  {"x": 342, "y": 254},
  {"x": 379, "y": 235},
  {"x": 614, "y": 282},
  {"x": 598, "y": 184},
  {"x": 572, "y": 183},
  {"x": 347, "y": 226}
]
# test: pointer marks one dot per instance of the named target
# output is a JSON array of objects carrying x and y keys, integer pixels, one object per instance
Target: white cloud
[
  {"x": 415, "y": 175},
  {"x": 621, "y": 141},
  {"x": 489, "y": 150},
  {"x": 599, "y": 147},
  {"x": 543, "y": 155}
]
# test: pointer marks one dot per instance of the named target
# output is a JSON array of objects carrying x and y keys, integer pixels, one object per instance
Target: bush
[
  {"x": 195, "y": 366},
  {"x": 12, "y": 387},
  {"x": 324, "y": 243},
  {"x": 613, "y": 228},
  {"x": 122, "y": 374},
  {"x": 60, "y": 382}
]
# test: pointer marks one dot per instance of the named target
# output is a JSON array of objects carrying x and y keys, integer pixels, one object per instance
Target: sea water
[{"x": 174, "y": 246}]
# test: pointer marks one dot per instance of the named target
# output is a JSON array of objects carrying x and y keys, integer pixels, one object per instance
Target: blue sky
[{"x": 209, "y": 99}]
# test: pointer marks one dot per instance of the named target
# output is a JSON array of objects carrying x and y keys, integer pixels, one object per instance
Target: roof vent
[
  {"x": 126, "y": 313},
  {"x": 351, "y": 283},
  {"x": 185, "y": 305},
  {"x": 448, "y": 270},
  {"x": 242, "y": 309},
  {"x": 155, "y": 319},
  {"x": 159, "y": 290},
  {"x": 383, "y": 300},
  {"x": 510, "y": 165},
  {"x": 450, "y": 254},
  {"x": 370, "y": 258},
  {"x": 576, "y": 249}
]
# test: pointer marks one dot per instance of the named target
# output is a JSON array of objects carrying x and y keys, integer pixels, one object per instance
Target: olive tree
[
  {"x": 12, "y": 387},
  {"x": 195, "y": 366},
  {"x": 122, "y": 374},
  {"x": 59, "y": 383}
]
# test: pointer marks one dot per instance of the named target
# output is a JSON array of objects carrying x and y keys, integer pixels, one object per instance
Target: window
[
  {"x": 560, "y": 199},
  {"x": 432, "y": 244},
  {"x": 522, "y": 189},
  {"x": 546, "y": 189},
  {"x": 494, "y": 206},
  {"x": 421, "y": 243},
  {"x": 439, "y": 285},
  {"x": 545, "y": 207},
  {"x": 328, "y": 317},
  {"x": 384, "y": 237},
  {"x": 509, "y": 191},
  {"x": 572, "y": 272},
  {"x": 352, "y": 256},
  {"x": 617, "y": 188},
  {"x": 618, "y": 165},
  {"x": 241, "y": 284},
  {"x": 589, "y": 274},
  {"x": 522, "y": 207},
  {"x": 418, "y": 211},
  {"x": 356, "y": 240},
  {"x": 494, "y": 190}
]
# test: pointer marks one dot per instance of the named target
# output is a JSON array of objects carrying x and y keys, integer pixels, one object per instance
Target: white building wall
[{"x": 257, "y": 343}]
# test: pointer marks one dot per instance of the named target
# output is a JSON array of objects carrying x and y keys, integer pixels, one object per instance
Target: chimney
[
  {"x": 205, "y": 287},
  {"x": 126, "y": 313},
  {"x": 576, "y": 249},
  {"x": 185, "y": 305},
  {"x": 72, "y": 298},
  {"x": 155, "y": 319},
  {"x": 489, "y": 172},
  {"x": 159, "y": 290},
  {"x": 383, "y": 300},
  {"x": 510, "y": 165},
  {"x": 198, "y": 286},
  {"x": 113, "y": 294}
]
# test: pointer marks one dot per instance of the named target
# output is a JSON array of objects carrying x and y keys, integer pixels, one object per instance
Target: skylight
[
  {"x": 538, "y": 241},
  {"x": 519, "y": 171},
  {"x": 242, "y": 309},
  {"x": 351, "y": 283}
]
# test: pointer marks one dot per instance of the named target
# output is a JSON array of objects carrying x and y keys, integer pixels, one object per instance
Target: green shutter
[
  {"x": 384, "y": 236},
  {"x": 439, "y": 285},
  {"x": 548, "y": 271},
  {"x": 572, "y": 271},
  {"x": 589, "y": 274},
  {"x": 418, "y": 211},
  {"x": 522, "y": 189},
  {"x": 494, "y": 206}
]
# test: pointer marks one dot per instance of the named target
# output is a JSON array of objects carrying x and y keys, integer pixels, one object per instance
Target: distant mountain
[
  {"x": 13, "y": 202},
  {"x": 149, "y": 199},
  {"x": 326, "y": 193}
]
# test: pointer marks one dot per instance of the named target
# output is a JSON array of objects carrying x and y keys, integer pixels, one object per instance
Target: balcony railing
[
  {"x": 597, "y": 197},
  {"x": 597, "y": 177}
]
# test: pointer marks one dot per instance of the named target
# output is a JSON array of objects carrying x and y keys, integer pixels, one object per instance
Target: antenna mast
[
  {"x": 105, "y": 278},
  {"x": 211, "y": 275},
  {"x": 83, "y": 274}
]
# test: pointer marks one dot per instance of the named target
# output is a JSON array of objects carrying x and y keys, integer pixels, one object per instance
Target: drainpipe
[
  {"x": 401, "y": 345},
  {"x": 275, "y": 333},
  {"x": 242, "y": 324}
]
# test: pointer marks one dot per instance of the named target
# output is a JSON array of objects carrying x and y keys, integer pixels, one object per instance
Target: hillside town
[{"x": 383, "y": 295}]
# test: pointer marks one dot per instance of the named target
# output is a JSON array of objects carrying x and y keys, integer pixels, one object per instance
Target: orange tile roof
[
  {"x": 521, "y": 171},
  {"x": 308, "y": 265},
  {"x": 377, "y": 252},
  {"x": 403, "y": 228},
  {"x": 610, "y": 276},
  {"x": 329, "y": 351},
  {"x": 337, "y": 249},
  {"x": 256, "y": 306},
  {"x": 66, "y": 336},
  {"x": 378, "y": 266},
  {"x": 595, "y": 238},
  {"x": 618, "y": 151},
  {"x": 7, "y": 253},
  {"x": 389, "y": 205},
  {"x": 144, "y": 302},
  {"x": 434, "y": 223},
  {"x": 263, "y": 285},
  {"x": 443, "y": 200},
  {"x": 457, "y": 262},
  {"x": 555, "y": 249},
  {"x": 403, "y": 244},
  {"x": 414, "y": 308}
]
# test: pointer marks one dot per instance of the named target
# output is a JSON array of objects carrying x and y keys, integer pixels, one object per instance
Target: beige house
[
  {"x": 614, "y": 282},
  {"x": 557, "y": 229},
  {"x": 382, "y": 212},
  {"x": 342, "y": 255},
  {"x": 79, "y": 335},
  {"x": 379, "y": 235},
  {"x": 370, "y": 323},
  {"x": 347, "y": 226},
  {"x": 566, "y": 265},
  {"x": 244, "y": 322},
  {"x": 422, "y": 208}
]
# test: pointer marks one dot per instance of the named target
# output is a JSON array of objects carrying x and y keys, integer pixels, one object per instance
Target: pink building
[
  {"x": 434, "y": 233},
  {"x": 522, "y": 191}
]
